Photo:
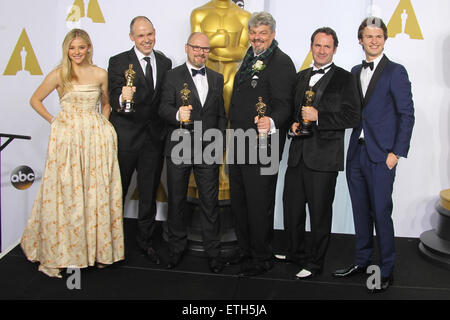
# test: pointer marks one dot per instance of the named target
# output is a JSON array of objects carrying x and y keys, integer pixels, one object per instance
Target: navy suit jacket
[{"x": 387, "y": 115}]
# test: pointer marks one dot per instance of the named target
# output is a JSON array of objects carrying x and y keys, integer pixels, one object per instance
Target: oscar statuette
[
  {"x": 185, "y": 95},
  {"x": 261, "y": 109},
  {"x": 128, "y": 105},
  {"x": 306, "y": 125}
]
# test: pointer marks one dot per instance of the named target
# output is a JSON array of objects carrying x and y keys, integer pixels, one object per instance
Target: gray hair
[{"x": 259, "y": 18}]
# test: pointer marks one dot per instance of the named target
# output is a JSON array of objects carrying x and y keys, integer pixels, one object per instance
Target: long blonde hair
[{"x": 65, "y": 67}]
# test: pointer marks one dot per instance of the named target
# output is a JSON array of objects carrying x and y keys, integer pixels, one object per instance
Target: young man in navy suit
[{"x": 375, "y": 148}]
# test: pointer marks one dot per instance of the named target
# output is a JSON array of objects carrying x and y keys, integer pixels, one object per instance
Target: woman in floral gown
[{"x": 76, "y": 220}]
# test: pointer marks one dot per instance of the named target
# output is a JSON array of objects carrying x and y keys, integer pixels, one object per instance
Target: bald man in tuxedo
[
  {"x": 206, "y": 109},
  {"x": 140, "y": 133}
]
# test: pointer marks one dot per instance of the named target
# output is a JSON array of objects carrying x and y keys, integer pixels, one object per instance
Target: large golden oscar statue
[
  {"x": 226, "y": 26},
  {"x": 435, "y": 244}
]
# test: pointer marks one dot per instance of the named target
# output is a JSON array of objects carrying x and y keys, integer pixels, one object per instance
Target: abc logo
[{"x": 22, "y": 177}]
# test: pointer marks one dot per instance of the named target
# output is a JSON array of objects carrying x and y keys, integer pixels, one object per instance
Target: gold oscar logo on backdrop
[
  {"x": 308, "y": 61},
  {"x": 403, "y": 23},
  {"x": 78, "y": 11},
  {"x": 23, "y": 58}
]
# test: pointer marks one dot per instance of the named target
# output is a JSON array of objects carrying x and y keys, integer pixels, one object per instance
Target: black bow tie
[
  {"x": 366, "y": 64},
  {"x": 320, "y": 71},
  {"x": 202, "y": 71}
]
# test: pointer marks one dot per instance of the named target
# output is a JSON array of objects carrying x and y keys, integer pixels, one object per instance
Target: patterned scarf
[{"x": 250, "y": 59}]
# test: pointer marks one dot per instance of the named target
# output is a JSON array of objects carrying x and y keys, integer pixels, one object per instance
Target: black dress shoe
[
  {"x": 256, "y": 268},
  {"x": 153, "y": 255},
  {"x": 215, "y": 264},
  {"x": 252, "y": 271},
  {"x": 385, "y": 283},
  {"x": 174, "y": 260},
  {"x": 237, "y": 259},
  {"x": 349, "y": 271}
]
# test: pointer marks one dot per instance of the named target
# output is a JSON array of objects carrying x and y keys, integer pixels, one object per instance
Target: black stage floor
[{"x": 137, "y": 278}]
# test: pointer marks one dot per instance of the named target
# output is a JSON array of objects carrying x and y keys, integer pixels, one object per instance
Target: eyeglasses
[{"x": 197, "y": 48}]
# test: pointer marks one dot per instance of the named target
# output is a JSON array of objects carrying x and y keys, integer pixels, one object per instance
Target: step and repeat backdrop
[{"x": 419, "y": 38}]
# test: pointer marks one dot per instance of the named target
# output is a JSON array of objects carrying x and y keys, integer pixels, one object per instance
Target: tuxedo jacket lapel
[
  {"x": 323, "y": 86},
  {"x": 246, "y": 77},
  {"x": 195, "y": 99},
  {"x": 376, "y": 76},
  {"x": 159, "y": 74},
  {"x": 358, "y": 83},
  {"x": 211, "y": 82},
  {"x": 300, "y": 90}
]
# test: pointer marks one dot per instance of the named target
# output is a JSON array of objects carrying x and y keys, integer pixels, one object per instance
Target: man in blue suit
[{"x": 376, "y": 145}]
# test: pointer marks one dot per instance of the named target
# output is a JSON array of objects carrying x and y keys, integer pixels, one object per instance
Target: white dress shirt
[
  {"x": 315, "y": 78},
  {"x": 366, "y": 76},
  {"x": 200, "y": 81}
]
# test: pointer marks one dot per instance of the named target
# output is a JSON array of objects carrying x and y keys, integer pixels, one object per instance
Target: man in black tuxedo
[
  {"x": 140, "y": 134},
  {"x": 206, "y": 110},
  {"x": 315, "y": 158},
  {"x": 266, "y": 72}
]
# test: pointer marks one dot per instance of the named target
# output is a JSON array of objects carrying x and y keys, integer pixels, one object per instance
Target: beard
[
  {"x": 260, "y": 49},
  {"x": 199, "y": 64}
]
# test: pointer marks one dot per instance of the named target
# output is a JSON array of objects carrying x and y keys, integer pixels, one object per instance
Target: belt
[{"x": 361, "y": 141}]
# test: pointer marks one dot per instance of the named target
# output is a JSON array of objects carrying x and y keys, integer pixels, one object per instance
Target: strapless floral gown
[{"x": 76, "y": 219}]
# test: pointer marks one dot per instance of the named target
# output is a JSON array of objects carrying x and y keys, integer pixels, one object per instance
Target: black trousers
[
  {"x": 252, "y": 203},
  {"x": 316, "y": 188},
  {"x": 148, "y": 162},
  {"x": 207, "y": 180}
]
